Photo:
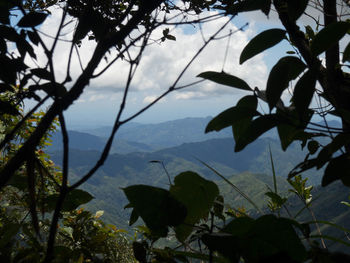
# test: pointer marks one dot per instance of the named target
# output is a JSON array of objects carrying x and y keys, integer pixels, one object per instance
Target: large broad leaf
[
  {"x": 328, "y": 36},
  {"x": 275, "y": 236},
  {"x": 156, "y": 207},
  {"x": 240, "y": 126},
  {"x": 292, "y": 126},
  {"x": 285, "y": 70},
  {"x": 32, "y": 19},
  {"x": 230, "y": 116},
  {"x": 262, "y": 240},
  {"x": 304, "y": 91},
  {"x": 338, "y": 168},
  {"x": 198, "y": 195},
  {"x": 296, "y": 8},
  {"x": 225, "y": 79},
  {"x": 261, "y": 42},
  {"x": 250, "y": 5},
  {"x": 256, "y": 128},
  {"x": 76, "y": 198}
]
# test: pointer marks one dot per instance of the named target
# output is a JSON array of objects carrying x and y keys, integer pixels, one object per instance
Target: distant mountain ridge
[
  {"x": 86, "y": 141},
  {"x": 164, "y": 134}
]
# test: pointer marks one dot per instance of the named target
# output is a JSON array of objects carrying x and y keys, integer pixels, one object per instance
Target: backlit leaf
[
  {"x": 328, "y": 36},
  {"x": 230, "y": 116},
  {"x": 198, "y": 195},
  {"x": 256, "y": 128},
  {"x": 225, "y": 79},
  {"x": 296, "y": 8},
  {"x": 32, "y": 19},
  {"x": 337, "y": 168},
  {"x": 304, "y": 91},
  {"x": 285, "y": 70},
  {"x": 157, "y": 208},
  {"x": 261, "y": 42}
]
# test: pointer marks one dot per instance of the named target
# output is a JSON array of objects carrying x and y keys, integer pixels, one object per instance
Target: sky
[{"x": 160, "y": 66}]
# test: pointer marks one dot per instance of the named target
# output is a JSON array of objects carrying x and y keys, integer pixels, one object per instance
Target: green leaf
[
  {"x": 304, "y": 91},
  {"x": 328, "y": 36},
  {"x": 310, "y": 34},
  {"x": 261, "y": 42},
  {"x": 337, "y": 168},
  {"x": 275, "y": 236},
  {"x": 285, "y": 70},
  {"x": 225, "y": 79},
  {"x": 157, "y": 208},
  {"x": 32, "y": 19},
  {"x": 76, "y": 198},
  {"x": 256, "y": 128},
  {"x": 296, "y": 8},
  {"x": 198, "y": 195},
  {"x": 230, "y": 116}
]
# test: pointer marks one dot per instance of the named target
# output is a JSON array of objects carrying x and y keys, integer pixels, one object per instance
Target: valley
[{"x": 249, "y": 170}]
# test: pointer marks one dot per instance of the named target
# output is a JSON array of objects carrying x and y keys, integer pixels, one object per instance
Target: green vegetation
[{"x": 39, "y": 220}]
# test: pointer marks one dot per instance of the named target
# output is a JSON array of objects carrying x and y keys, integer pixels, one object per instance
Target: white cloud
[{"x": 162, "y": 63}]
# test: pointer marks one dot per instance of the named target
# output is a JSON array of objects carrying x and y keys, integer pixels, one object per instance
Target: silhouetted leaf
[
  {"x": 337, "y": 168},
  {"x": 328, "y": 36},
  {"x": 33, "y": 37},
  {"x": 346, "y": 53},
  {"x": 32, "y": 19},
  {"x": 256, "y": 128},
  {"x": 4, "y": 15},
  {"x": 225, "y": 79},
  {"x": 133, "y": 217},
  {"x": 198, "y": 195},
  {"x": 226, "y": 244},
  {"x": 296, "y": 8},
  {"x": 157, "y": 208},
  {"x": 230, "y": 116},
  {"x": 76, "y": 198},
  {"x": 285, "y": 70},
  {"x": 84, "y": 25},
  {"x": 261, "y": 42},
  {"x": 240, "y": 125},
  {"x": 24, "y": 47},
  {"x": 313, "y": 146},
  {"x": 304, "y": 91},
  {"x": 8, "y": 33}
]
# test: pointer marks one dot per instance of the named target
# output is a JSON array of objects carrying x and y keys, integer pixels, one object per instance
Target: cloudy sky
[{"x": 160, "y": 66}]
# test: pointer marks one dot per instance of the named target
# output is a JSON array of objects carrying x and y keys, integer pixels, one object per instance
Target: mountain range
[{"x": 137, "y": 147}]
